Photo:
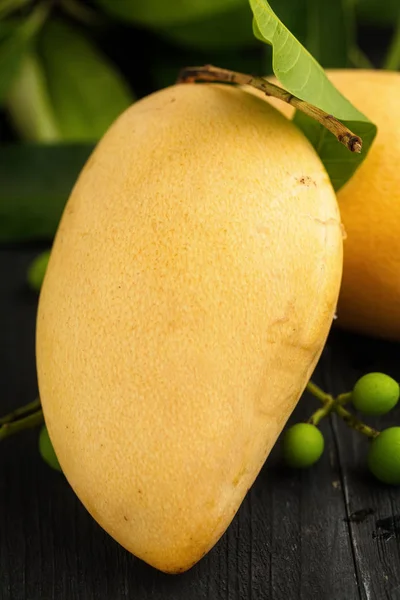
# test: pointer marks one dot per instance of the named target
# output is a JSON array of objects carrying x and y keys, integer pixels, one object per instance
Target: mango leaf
[
  {"x": 8, "y": 6},
  {"x": 35, "y": 183},
  {"x": 302, "y": 76},
  {"x": 15, "y": 39},
  {"x": 325, "y": 29},
  {"x": 29, "y": 105},
  {"x": 159, "y": 13},
  {"x": 86, "y": 91}
]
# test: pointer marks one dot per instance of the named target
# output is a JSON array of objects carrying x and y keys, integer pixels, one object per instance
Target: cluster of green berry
[{"x": 374, "y": 394}]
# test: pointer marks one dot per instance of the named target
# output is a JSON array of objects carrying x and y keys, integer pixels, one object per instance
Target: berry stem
[
  {"x": 343, "y": 399},
  {"x": 355, "y": 423},
  {"x": 318, "y": 392},
  {"x": 13, "y": 427},
  {"x": 336, "y": 404},
  {"x": 319, "y": 414},
  {"x": 20, "y": 412}
]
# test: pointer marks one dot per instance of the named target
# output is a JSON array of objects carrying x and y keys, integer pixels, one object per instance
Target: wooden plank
[
  {"x": 289, "y": 540},
  {"x": 376, "y": 553},
  {"x": 310, "y": 546}
]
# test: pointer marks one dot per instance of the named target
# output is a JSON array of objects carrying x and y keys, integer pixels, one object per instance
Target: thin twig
[
  {"x": 319, "y": 414},
  {"x": 20, "y": 412},
  {"x": 29, "y": 422},
  {"x": 355, "y": 423},
  {"x": 210, "y": 73},
  {"x": 318, "y": 392}
]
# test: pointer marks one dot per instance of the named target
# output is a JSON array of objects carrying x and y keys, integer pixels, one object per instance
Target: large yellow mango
[{"x": 189, "y": 293}]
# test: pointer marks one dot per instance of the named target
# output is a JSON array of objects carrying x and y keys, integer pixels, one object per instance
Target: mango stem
[{"x": 210, "y": 73}]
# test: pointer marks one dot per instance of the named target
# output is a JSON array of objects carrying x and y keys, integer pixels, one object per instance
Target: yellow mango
[{"x": 189, "y": 293}]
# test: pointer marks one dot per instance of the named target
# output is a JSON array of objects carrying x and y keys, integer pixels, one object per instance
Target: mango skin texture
[{"x": 189, "y": 293}]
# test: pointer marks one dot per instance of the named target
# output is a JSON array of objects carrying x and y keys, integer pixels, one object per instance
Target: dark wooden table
[{"x": 297, "y": 535}]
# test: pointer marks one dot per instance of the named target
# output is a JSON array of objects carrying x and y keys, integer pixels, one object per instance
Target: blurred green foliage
[{"x": 69, "y": 67}]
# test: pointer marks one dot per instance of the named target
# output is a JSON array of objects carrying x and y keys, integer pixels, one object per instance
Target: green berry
[
  {"x": 46, "y": 449},
  {"x": 37, "y": 270},
  {"x": 375, "y": 394},
  {"x": 384, "y": 456},
  {"x": 303, "y": 445}
]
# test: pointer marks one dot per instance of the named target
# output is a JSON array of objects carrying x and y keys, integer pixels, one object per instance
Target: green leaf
[
  {"x": 303, "y": 77},
  {"x": 35, "y": 183},
  {"x": 29, "y": 105},
  {"x": 15, "y": 38},
  {"x": 326, "y": 29},
  {"x": 162, "y": 13},
  {"x": 86, "y": 91},
  {"x": 8, "y": 6}
]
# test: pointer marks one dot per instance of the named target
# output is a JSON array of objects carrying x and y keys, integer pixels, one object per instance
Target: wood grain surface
[{"x": 326, "y": 533}]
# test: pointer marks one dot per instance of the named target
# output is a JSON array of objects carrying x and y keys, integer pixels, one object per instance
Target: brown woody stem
[{"x": 210, "y": 73}]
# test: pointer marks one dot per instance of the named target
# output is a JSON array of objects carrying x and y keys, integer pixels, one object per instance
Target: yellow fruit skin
[
  {"x": 189, "y": 293},
  {"x": 369, "y": 203}
]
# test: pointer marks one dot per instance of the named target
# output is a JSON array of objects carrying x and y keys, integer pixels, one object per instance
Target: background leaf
[
  {"x": 301, "y": 74},
  {"x": 35, "y": 183},
  {"x": 86, "y": 90},
  {"x": 15, "y": 39},
  {"x": 8, "y": 6},
  {"x": 29, "y": 105}
]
